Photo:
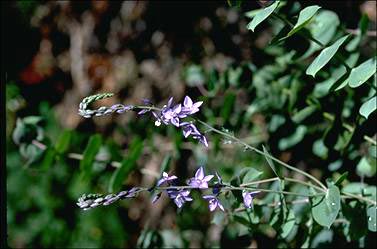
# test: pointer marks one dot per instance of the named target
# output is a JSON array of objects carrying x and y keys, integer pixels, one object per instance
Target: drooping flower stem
[{"x": 230, "y": 136}]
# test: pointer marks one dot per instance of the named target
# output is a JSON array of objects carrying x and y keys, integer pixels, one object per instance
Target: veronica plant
[{"x": 325, "y": 200}]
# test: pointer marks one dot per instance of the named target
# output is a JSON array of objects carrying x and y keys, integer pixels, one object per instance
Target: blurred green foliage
[{"x": 313, "y": 107}]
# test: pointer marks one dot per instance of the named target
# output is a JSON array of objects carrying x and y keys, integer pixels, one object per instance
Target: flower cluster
[
  {"x": 179, "y": 194},
  {"x": 172, "y": 114}
]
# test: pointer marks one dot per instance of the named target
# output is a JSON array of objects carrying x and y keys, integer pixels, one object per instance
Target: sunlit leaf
[
  {"x": 296, "y": 137},
  {"x": 365, "y": 168},
  {"x": 63, "y": 142},
  {"x": 362, "y": 73},
  {"x": 371, "y": 214},
  {"x": 325, "y": 208},
  {"x": 325, "y": 56},
  {"x": 304, "y": 17},
  {"x": 261, "y": 15},
  {"x": 289, "y": 224}
]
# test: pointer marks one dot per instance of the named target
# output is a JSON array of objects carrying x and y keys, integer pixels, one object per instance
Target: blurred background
[{"x": 58, "y": 52}]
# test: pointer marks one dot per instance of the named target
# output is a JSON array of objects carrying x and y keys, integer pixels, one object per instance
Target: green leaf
[
  {"x": 293, "y": 139},
  {"x": 165, "y": 164},
  {"x": 289, "y": 224},
  {"x": 364, "y": 168},
  {"x": 227, "y": 106},
  {"x": 325, "y": 208},
  {"x": 48, "y": 159},
  {"x": 251, "y": 175},
  {"x": 303, "y": 114},
  {"x": 320, "y": 149},
  {"x": 325, "y": 56},
  {"x": 341, "y": 179},
  {"x": 304, "y": 17},
  {"x": 62, "y": 144},
  {"x": 371, "y": 213},
  {"x": 362, "y": 73},
  {"x": 323, "y": 28},
  {"x": 90, "y": 152},
  {"x": 271, "y": 163},
  {"x": 129, "y": 162},
  {"x": 261, "y": 15}
]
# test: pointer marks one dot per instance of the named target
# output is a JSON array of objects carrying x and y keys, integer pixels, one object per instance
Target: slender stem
[
  {"x": 370, "y": 140},
  {"x": 361, "y": 198},
  {"x": 258, "y": 182},
  {"x": 304, "y": 183},
  {"x": 264, "y": 154}
]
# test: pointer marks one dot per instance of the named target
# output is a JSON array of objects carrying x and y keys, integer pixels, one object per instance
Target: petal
[
  {"x": 199, "y": 174},
  {"x": 178, "y": 202},
  {"x": 187, "y": 102},
  {"x": 220, "y": 206},
  {"x": 177, "y": 109},
  {"x": 161, "y": 181},
  {"x": 208, "y": 197},
  {"x": 170, "y": 178},
  {"x": 170, "y": 102},
  {"x": 188, "y": 199},
  {"x": 197, "y": 104},
  {"x": 194, "y": 183},
  {"x": 186, "y": 132},
  {"x": 212, "y": 205},
  {"x": 203, "y": 140},
  {"x": 175, "y": 121},
  {"x": 208, "y": 178},
  {"x": 203, "y": 184},
  {"x": 164, "y": 174}
]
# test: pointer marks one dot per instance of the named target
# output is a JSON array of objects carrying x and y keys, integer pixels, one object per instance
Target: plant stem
[
  {"x": 264, "y": 154},
  {"x": 361, "y": 198}
]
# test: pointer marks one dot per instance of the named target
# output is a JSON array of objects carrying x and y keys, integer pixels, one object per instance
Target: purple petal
[
  {"x": 170, "y": 178},
  {"x": 197, "y": 104},
  {"x": 161, "y": 181},
  {"x": 177, "y": 109},
  {"x": 203, "y": 140},
  {"x": 220, "y": 206},
  {"x": 186, "y": 132},
  {"x": 142, "y": 112},
  {"x": 208, "y": 178},
  {"x": 212, "y": 205},
  {"x": 156, "y": 197},
  {"x": 247, "y": 199},
  {"x": 203, "y": 184},
  {"x": 175, "y": 121},
  {"x": 208, "y": 197},
  {"x": 178, "y": 202},
  {"x": 194, "y": 183},
  {"x": 199, "y": 174},
  {"x": 187, "y": 102},
  {"x": 170, "y": 102}
]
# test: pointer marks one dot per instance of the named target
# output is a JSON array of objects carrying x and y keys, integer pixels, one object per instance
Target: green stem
[{"x": 264, "y": 154}]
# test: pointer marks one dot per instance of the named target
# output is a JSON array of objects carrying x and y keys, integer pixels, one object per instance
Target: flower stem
[{"x": 264, "y": 154}]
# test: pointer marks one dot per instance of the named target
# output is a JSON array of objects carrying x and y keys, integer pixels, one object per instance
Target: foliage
[{"x": 311, "y": 108}]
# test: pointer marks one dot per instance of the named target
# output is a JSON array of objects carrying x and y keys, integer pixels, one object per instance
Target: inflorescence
[
  {"x": 179, "y": 194},
  {"x": 169, "y": 114}
]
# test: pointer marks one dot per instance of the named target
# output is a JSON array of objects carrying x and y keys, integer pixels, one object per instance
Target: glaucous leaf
[
  {"x": 304, "y": 17},
  {"x": 371, "y": 214},
  {"x": 325, "y": 208},
  {"x": 362, "y": 73},
  {"x": 261, "y": 15},
  {"x": 325, "y": 56},
  {"x": 365, "y": 168}
]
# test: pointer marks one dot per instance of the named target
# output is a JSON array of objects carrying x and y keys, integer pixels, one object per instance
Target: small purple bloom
[
  {"x": 248, "y": 198},
  {"x": 166, "y": 178},
  {"x": 213, "y": 202},
  {"x": 189, "y": 107},
  {"x": 200, "y": 180},
  {"x": 179, "y": 196}
]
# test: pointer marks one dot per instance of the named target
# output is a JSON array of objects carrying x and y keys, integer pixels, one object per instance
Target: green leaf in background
[
  {"x": 320, "y": 149},
  {"x": 363, "y": 26},
  {"x": 165, "y": 164},
  {"x": 293, "y": 139},
  {"x": 365, "y": 168},
  {"x": 341, "y": 178},
  {"x": 90, "y": 153},
  {"x": 304, "y": 17},
  {"x": 62, "y": 144},
  {"x": 128, "y": 163},
  {"x": 325, "y": 208},
  {"x": 289, "y": 224},
  {"x": 261, "y": 15},
  {"x": 271, "y": 163},
  {"x": 362, "y": 73},
  {"x": 251, "y": 175},
  {"x": 227, "y": 106},
  {"x": 368, "y": 107},
  {"x": 323, "y": 28},
  {"x": 48, "y": 159},
  {"x": 325, "y": 56},
  {"x": 371, "y": 214},
  {"x": 301, "y": 115}
]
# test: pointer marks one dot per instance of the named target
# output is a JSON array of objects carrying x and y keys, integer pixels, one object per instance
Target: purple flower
[
  {"x": 248, "y": 198},
  {"x": 189, "y": 128},
  {"x": 179, "y": 196},
  {"x": 213, "y": 202},
  {"x": 200, "y": 180},
  {"x": 189, "y": 107},
  {"x": 166, "y": 178}
]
